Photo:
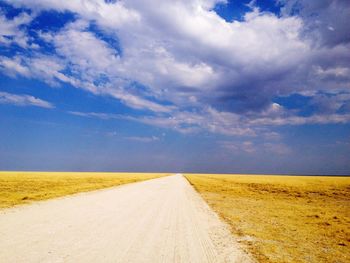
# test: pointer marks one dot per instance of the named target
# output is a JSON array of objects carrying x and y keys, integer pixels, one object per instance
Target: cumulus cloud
[
  {"x": 106, "y": 13},
  {"x": 326, "y": 20},
  {"x": 84, "y": 49},
  {"x": 192, "y": 70},
  {"x": 188, "y": 51},
  {"x": 184, "y": 46},
  {"x": 11, "y": 32},
  {"x": 23, "y": 100}
]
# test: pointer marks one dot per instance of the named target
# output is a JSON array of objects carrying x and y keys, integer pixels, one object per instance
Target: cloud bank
[{"x": 185, "y": 67}]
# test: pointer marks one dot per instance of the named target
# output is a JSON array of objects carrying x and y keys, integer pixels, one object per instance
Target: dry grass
[
  {"x": 24, "y": 187},
  {"x": 283, "y": 218}
]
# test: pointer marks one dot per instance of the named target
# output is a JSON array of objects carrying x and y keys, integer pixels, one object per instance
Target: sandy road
[{"x": 160, "y": 220}]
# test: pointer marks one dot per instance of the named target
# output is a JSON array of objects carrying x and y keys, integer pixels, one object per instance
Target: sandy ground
[{"x": 159, "y": 220}]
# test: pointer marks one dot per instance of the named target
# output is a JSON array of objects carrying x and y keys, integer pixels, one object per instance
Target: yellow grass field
[
  {"x": 283, "y": 218},
  {"x": 24, "y": 187}
]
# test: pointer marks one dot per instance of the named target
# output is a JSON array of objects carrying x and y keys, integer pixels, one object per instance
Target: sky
[{"x": 207, "y": 86}]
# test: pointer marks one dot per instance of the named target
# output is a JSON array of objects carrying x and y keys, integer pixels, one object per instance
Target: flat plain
[
  {"x": 158, "y": 220},
  {"x": 274, "y": 218},
  {"x": 283, "y": 218},
  {"x": 25, "y": 187}
]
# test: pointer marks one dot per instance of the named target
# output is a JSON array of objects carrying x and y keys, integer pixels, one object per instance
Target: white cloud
[
  {"x": 93, "y": 58},
  {"x": 10, "y": 31},
  {"x": 136, "y": 102},
  {"x": 189, "y": 122},
  {"x": 99, "y": 115},
  {"x": 106, "y": 14},
  {"x": 198, "y": 72},
  {"x": 14, "y": 66},
  {"x": 298, "y": 120},
  {"x": 225, "y": 123},
  {"x": 171, "y": 46},
  {"x": 143, "y": 139},
  {"x": 250, "y": 147},
  {"x": 184, "y": 122},
  {"x": 42, "y": 67},
  {"x": 83, "y": 49},
  {"x": 245, "y": 146},
  {"x": 23, "y": 100}
]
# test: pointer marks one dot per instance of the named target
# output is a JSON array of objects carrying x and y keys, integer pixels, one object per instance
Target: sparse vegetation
[
  {"x": 24, "y": 187},
  {"x": 283, "y": 218}
]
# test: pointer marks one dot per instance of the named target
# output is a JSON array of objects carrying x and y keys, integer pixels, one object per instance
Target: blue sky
[{"x": 175, "y": 86}]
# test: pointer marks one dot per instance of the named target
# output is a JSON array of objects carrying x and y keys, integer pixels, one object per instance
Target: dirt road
[{"x": 160, "y": 220}]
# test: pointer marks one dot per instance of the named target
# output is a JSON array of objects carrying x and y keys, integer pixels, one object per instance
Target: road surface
[{"x": 159, "y": 220}]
